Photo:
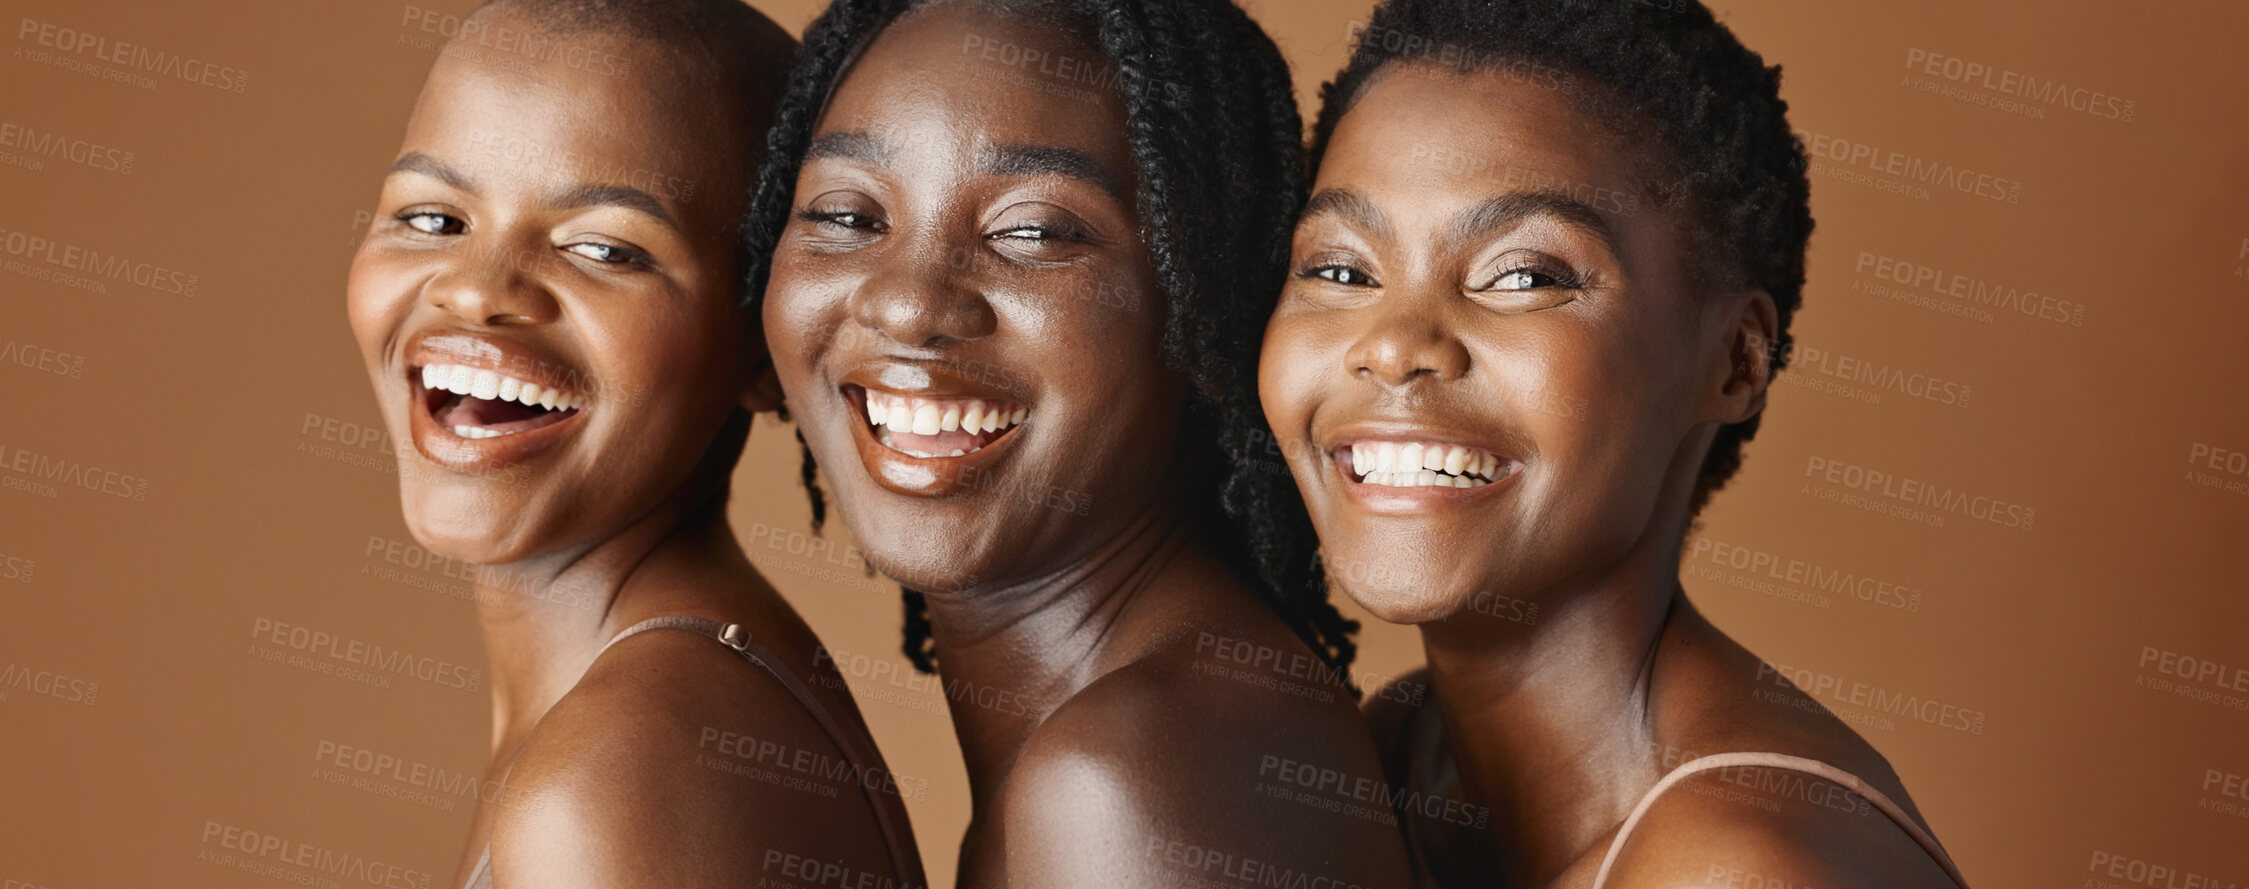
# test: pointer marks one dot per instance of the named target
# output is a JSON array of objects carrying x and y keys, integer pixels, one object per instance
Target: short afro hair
[{"x": 1665, "y": 71}]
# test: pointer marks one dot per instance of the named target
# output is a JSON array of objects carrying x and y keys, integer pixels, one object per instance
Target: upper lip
[
  {"x": 510, "y": 357},
  {"x": 928, "y": 380},
  {"x": 1506, "y": 446}
]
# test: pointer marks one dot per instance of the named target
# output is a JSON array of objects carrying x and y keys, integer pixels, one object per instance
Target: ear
[{"x": 1752, "y": 339}]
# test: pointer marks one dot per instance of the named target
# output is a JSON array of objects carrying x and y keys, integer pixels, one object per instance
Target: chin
[
  {"x": 463, "y": 531},
  {"x": 1403, "y": 603}
]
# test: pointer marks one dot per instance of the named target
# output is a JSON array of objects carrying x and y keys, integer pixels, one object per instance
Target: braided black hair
[
  {"x": 1712, "y": 109},
  {"x": 1217, "y": 146}
]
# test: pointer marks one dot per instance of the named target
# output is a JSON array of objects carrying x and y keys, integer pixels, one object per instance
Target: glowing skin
[
  {"x": 1445, "y": 304},
  {"x": 519, "y": 240},
  {"x": 961, "y": 234}
]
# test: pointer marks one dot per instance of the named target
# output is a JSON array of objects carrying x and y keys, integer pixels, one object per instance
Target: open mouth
[
  {"x": 926, "y": 427},
  {"x": 1412, "y": 464},
  {"x": 474, "y": 403}
]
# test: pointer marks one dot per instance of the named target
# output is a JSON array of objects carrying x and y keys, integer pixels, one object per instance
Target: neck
[
  {"x": 1010, "y": 656},
  {"x": 546, "y": 618},
  {"x": 1555, "y": 725}
]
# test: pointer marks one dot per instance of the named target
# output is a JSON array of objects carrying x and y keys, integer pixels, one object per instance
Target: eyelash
[
  {"x": 1334, "y": 272},
  {"x": 625, "y": 255},
  {"x": 856, "y": 221},
  {"x": 409, "y": 217},
  {"x": 837, "y": 217}
]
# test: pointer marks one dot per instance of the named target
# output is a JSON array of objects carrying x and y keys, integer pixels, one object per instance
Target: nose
[
  {"x": 1407, "y": 342},
  {"x": 492, "y": 285},
  {"x": 921, "y": 296}
]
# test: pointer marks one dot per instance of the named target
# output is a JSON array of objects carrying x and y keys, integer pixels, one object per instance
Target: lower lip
[
  {"x": 1388, "y": 500},
  {"x": 474, "y": 456},
  {"x": 901, "y": 473}
]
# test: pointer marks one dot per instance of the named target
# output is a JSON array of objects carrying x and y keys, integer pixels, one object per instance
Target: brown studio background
[{"x": 2025, "y": 698}]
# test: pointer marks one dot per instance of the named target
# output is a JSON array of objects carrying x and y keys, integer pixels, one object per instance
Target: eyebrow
[
  {"x": 1034, "y": 160},
  {"x": 850, "y": 145},
  {"x": 626, "y": 196},
  {"x": 417, "y": 162},
  {"x": 1511, "y": 209},
  {"x": 572, "y": 198},
  {"x": 1352, "y": 207}
]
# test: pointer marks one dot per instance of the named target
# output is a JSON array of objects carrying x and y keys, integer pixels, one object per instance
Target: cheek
[
  {"x": 1288, "y": 368},
  {"x": 378, "y": 295}
]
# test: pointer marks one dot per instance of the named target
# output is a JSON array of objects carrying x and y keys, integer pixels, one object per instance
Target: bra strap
[
  {"x": 1847, "y": 780},
  {"x": 737, "y": 637}
]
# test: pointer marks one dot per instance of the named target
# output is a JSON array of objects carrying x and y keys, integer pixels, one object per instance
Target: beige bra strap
[
  {"x": 897, "y": 836},
  {"x": 1778, "y": 761}
]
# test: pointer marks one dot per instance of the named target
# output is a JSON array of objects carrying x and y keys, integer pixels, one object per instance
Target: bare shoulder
[
  {"x": 676, "y": 762},
  {"x": 1744, "y": 826},
  {"x": 1182, "y": 762}
]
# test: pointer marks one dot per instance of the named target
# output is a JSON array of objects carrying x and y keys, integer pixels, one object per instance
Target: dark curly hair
[
  {"x": 1217, "y": 146},
  {"x": 1711, "y": 109}
]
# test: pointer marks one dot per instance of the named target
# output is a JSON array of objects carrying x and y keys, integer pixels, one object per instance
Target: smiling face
[
  {"x": 962, "y": 312},
  {"x": 546, "y": 297},
  {"x": 1488, "y": 368}
]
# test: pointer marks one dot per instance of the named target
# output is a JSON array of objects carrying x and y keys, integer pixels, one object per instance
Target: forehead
[
  {"x": 1460, "y": 136},
  {"x": 956, "y": 75},
  {"x": 581, "y": 107}
]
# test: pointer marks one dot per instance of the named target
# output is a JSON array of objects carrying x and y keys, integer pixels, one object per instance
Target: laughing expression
[
  {"x": 962, "y": 312},
  {"x": 546, "y": 298}
]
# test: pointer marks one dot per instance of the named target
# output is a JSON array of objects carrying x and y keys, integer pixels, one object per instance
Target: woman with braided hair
[{"x": 1020, "y": 255}]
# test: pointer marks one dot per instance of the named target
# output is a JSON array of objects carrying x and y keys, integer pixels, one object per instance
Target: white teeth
[
  {"x": 480, "y": 432},
  {"x": 921, "y": 416},
  {"x": 493, "y": 385},
  {"x": 1420, "y": 465}
]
